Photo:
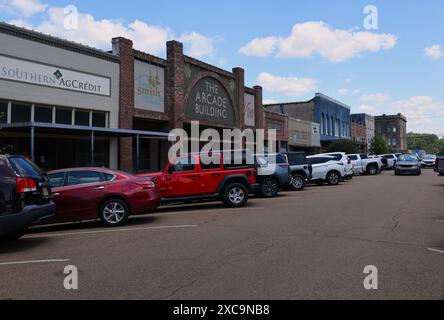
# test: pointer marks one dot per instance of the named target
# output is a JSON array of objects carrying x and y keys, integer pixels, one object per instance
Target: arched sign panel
[{"x": 209, "y": 101}]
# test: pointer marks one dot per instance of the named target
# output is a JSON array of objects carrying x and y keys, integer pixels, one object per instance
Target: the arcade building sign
[{"x": 210, "y": 102}]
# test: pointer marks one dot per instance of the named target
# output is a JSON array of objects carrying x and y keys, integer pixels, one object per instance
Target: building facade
[
  {"x": 359, "y": 136},
  {"x": 63, "y": 104},
  {"x": 332, "y": 116},
  {"x": 51, "y": 93},
  {"x": 369, "y": 122},
  {"x": 304, "y": 136},
  {"x": 394, "y": 130}
]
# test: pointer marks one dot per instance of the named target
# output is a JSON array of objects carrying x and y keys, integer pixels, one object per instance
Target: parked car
[
  {"x": 439, "y": 165},
  {"x": 365, "y": 165},
  {"x": 300, "y": 170},
  {"x": 275, "y": 174},
  {"x": 97, "y": 193},
  {"x": 326, "y": 169},
  {"x": 428, "y": 161},
  {"x": 408, "y": 164},
  {"x": 391, "y": 160},
  {"x": 191, "y": 177},
  {"x": 342, "y": 157},
  {"x": 25, "y": 196}
]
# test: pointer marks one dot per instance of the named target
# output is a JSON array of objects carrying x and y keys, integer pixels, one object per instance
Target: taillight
[
  {"x": 285, "y": 165},
  {"x": 24, "y": 185},
  {"x": 146, "y": 184}
]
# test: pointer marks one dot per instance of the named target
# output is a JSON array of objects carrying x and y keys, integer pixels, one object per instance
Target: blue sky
[{"x": 301, "y": 47}]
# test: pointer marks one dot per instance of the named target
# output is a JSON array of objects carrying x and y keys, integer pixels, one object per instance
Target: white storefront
[{"x": 46, "y": 80}]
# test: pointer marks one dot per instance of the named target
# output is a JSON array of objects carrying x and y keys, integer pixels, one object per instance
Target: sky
[{"x": 379, "y": 57}]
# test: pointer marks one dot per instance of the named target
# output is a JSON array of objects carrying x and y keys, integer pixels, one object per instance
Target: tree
[
  {"x": 379, "y": 146},
  {"x": 420, "y": 141},
  {"x": 344, "y": 145}
]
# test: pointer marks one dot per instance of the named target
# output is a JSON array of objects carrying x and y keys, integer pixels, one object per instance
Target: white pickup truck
[{"x": 364, "y": 165}]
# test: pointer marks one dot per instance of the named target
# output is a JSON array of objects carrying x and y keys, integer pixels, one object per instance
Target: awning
[{"x": 31, "y": 127}]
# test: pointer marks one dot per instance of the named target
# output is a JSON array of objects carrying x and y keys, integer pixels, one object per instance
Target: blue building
[{"x": 332, "y": 115}]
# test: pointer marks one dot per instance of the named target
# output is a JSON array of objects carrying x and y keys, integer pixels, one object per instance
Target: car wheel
[
  {"x": 114, "y": 213},
  {"x": 372, "y": 170},
  {"x": 235, "y": 195},
  {"x": 396, "y": 173},
  {"x": 419, "y": 173},
  {"x": 269, "y": 188},
  {"x": 297, "y": 182},
  {"x": 333, "y": 178}
]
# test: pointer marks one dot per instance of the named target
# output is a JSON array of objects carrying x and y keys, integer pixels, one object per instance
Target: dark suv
[
  {"x": 300, "y": 169},
  {"x": 25, "y": 196}
]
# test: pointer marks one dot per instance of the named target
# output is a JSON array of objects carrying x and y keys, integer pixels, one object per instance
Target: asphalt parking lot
[{"x": 312, "y": 244}]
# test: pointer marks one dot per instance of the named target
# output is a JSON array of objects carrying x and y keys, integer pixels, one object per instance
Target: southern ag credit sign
[{"x": 18, "y": 70}]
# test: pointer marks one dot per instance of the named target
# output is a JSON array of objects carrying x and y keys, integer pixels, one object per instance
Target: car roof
[
  {"x": 82, "y": 169},
  {"x": 321, "y": 156}
]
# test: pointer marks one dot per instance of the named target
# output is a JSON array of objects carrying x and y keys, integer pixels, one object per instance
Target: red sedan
[{"x": 91, "y": 193}]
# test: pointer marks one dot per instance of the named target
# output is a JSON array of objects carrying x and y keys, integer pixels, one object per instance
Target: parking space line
[
  {"x": 33, "y": 262},
  {"x": 436, "y": 250},
  {"x": 51, "y": 235},
  {"x": 440, "y": 221}
]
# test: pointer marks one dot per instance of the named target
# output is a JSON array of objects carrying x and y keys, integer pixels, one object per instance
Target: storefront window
[
  {"x": 3, "y": 112},
  {"x": 81, "y": 118},
  {"x": 63, "y": 116},
  {"x": 99, "y": 119},
  {"x": 43, "y": 114},
  {"x": 20, "y": 113}
]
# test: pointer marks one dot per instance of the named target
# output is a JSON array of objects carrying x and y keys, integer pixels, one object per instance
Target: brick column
[
  {"x": 124, "y": 48},
  {"x": 240, "y": 95},
  {"x": 260, "y": 124},
  {"x": 175, "y": 82}
]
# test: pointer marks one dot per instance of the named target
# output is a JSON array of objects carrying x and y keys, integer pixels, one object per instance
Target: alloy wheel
[
  {"x": 114, "y": 213},
  {"x": 236, "y": 195}
]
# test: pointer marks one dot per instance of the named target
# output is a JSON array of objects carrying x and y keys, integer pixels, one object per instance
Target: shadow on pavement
[{"x": 21, "y": 245}]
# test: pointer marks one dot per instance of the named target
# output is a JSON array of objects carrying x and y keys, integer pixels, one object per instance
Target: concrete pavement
[{"x": 312, "y": 244}]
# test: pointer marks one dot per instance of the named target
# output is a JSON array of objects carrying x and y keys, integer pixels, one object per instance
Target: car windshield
[
  {"x": 430, "y": 157},
  {"x": 407, "y": 158}
]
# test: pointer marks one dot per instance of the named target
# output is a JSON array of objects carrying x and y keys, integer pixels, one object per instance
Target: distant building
[
  {"x": 332, "y": 116},
  {"x": 369, "y": 122},
  {"x": 394, "y": 130},
  {"x": 304, "y": 136},
  {"x": 359, "y": 136}
]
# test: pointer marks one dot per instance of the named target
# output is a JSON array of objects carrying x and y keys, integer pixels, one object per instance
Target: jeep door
[
  {"x": 211, "y": 174},
  {"x": 182, "y": 178}
]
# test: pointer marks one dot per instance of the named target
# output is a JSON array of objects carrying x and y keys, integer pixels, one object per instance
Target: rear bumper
[
  {"x": 29, "y": 216},
  {"x": 144, "y": 202}
]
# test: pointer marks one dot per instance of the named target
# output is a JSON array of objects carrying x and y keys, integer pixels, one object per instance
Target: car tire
[
  {"x": 333, "y": 178},
  {"x": 269, "y": 187},
  {"x": 235, "y": 195},
  {"x": 297, "y": 182},
  {"x": 372, "y": 170},
  {"x": 114, "y": 213}
]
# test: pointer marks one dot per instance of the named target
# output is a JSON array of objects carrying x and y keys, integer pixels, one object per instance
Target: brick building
[
  {"x": 359, "y": 136},
  {"x": 369, "y": 123},
  {"x": 394, "y": 130}
]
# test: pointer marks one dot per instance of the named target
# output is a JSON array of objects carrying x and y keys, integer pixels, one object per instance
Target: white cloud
[
  {"x": 22, "y": 8},
  {"x": 421, "y": 111},
  {"x": 367, "y": 109},
  {"x": 309, "y": 38},
  {"x": 269, "y": 101},
  {"x": 289, "y": 86},
  {"x": 434, "y": 52},
  {"x": 378, "y": 98},
  {"x": 260, "y": 47},
  {"x": 356, "y": 92},
  {"x": 343, "y": 91},
  {"x": 200, "y": 45},
  {"x": 98, "y": 33}
]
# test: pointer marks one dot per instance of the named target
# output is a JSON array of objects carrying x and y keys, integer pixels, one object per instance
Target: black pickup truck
[{"x": 25, "y": 196}]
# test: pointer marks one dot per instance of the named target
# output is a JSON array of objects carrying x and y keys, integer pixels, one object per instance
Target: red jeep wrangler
[{"x": 188, "y": 179}]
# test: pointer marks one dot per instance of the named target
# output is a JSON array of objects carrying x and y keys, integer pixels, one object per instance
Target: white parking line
[
  {"x": 51, "y": 235},
  {"x": 436, "y": 250},
  {"x": 440, "y": 221},
  {"x": 33, "y": 262}
]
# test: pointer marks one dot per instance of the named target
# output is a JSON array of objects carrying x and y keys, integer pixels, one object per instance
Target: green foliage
[
  {"x": 428, "y": 142},
  {"x": 344, "y": 145},
  {"x": 379, "y": 146}
]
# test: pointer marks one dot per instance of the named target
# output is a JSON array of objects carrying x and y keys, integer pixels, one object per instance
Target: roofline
[
  {"x": 32, "y": 35},
  {"x": 317, "y": 95}
]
